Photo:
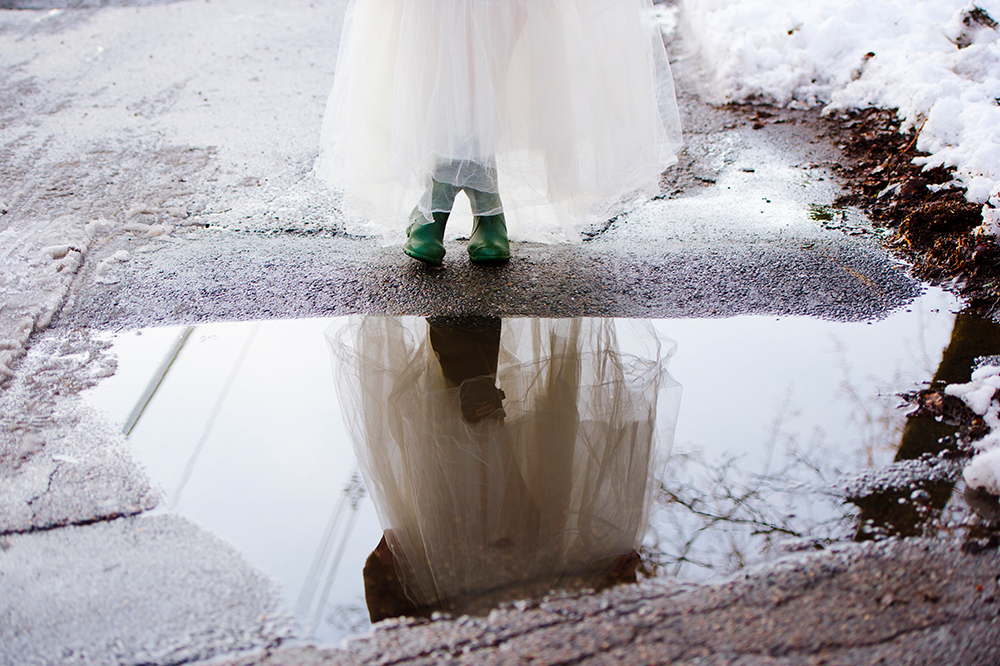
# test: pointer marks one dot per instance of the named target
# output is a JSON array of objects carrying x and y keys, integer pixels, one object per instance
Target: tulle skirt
[
  {"x": 564, "y": 107},
  {"x": 551, "y": 488}
]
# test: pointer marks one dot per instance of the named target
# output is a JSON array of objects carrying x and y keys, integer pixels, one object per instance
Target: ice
[
  {"x": 64, "y": 462},
  {"x": 938, "y": 63}
]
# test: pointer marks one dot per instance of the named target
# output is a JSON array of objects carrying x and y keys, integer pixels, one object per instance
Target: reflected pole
[{"x": 157, "y": 379}]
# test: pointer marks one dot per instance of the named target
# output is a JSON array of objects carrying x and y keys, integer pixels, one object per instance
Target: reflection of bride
[{"x": 490, "y": 493}]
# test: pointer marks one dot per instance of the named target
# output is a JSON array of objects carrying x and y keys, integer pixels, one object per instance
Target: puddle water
[{"x": 246, "y": 434}]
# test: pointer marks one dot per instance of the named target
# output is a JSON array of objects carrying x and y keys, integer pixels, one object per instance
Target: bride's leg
[{"x": 425, "y": 237}]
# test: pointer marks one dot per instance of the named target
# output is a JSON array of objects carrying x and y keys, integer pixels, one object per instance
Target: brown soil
[
  {"x": 953, "y": 411},
  {"x": 932, "y": 230}
]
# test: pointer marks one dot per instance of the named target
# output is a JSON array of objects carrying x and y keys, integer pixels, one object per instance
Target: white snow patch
[
  {"x": 148, "y": 230},
  {"x": 49, "y": 14},
  {"x": 938, "y": 62},
  {"x": 38, "y": 259},
  {"x": 99, "y": 225},
  {"x": 984, "y": 471},
  {"x": 991, "y": 214},
  {"x": 101, "y": 273},
  {"x": 979, "y": 394},
  {"x": 667, "y": 17}
]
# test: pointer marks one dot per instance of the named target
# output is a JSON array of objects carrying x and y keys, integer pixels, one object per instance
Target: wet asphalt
[
  {"x": 907, "y": 602},
  {"x": 734, "y": 232}
]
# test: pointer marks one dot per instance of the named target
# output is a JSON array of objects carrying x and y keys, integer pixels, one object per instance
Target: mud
[{"x": 931, "y": 229}]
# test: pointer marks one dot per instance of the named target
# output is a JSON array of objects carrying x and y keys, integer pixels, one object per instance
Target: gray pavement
[
  {"x": 155, "y": 169},
  {"x": 897, "y": 602},
  {"x": 732, "y": 234},
  {"x": 145, "y": 590}
]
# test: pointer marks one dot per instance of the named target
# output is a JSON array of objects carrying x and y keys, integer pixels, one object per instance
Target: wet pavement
[
  {"x": 904, "y": 602},
  {"x": 741, "y": 229},
  {"x": 231, "y": 520}
]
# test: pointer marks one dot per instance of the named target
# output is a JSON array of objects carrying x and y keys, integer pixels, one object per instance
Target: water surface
[{"x": 245, "y": 435}]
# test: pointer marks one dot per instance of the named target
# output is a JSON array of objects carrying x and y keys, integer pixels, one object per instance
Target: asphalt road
[
  {"x": 908, "y": 602},
  {"x": 734, "y": 233}
]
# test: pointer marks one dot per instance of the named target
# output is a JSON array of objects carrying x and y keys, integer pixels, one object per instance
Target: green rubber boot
[
  {"x": 488, "y": 243},
  {"x": 425, "y": 239}
]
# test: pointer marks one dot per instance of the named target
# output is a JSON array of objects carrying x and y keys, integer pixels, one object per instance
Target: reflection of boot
[
  {"x": 425, "y": 238},
  {"x": 468, "y": 350},
  {"x": 481, "y": 399},
  {"x": 624, "y": 570},
  {"x": 384, "y": 594},
  {"x": 488, "y": 243}
]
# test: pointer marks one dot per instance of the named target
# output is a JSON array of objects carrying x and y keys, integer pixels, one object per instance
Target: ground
[
  {"x": 932, "y": 230},
  {"x": 178, "y": 191},
  {"x": 894, "y": 602}
]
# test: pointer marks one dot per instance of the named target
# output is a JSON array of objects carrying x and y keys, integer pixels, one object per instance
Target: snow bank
[
  {"x": 937, "y": 61},
  {"x": 981, "y": 395}
]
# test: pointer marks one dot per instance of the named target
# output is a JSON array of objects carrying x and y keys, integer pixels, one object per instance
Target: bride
[{"x": 565, "y": 107}]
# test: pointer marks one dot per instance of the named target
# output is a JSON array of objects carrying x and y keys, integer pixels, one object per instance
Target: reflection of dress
[
  {"x": 568, "y": 102},
  {"x": 552, "y": 494}
]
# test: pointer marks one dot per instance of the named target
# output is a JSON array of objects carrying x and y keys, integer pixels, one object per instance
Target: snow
[
  {"x": 64, "y": 462},
  {"x": 937, "y": 62},
  {"x": 981, "y": 394},
  {"x": 38, "y": 259}
]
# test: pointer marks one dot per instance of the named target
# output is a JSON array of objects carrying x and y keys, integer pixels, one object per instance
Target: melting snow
[
  {"x": 982, "y": 395},
  {"x": 938, "y": 62}
]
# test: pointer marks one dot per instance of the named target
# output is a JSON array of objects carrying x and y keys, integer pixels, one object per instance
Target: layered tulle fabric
[
  {"x": 551, "y": 489},
  {"x": 564, "y": 107}
]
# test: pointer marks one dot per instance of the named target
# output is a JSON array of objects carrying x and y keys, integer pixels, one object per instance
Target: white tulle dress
[
  {"x": 564, "y": 107},
  {"x": 550, "y": 493}
]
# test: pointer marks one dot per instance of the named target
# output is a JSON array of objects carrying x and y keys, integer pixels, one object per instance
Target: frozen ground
[
  {"x": 882, "y": 603},
  {"x": 154, "y": 169},
  {"x": 140, "y": 121},
  {"x": 937, "y": 62},
  {"x": 129, "y": 123},
  {"x": 155, "y": 590}
]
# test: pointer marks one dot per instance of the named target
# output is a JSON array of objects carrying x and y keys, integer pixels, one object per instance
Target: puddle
[{"x": 246, "y": 435}]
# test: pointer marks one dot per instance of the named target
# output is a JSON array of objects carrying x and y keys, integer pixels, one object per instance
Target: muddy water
[{"x": 780, "y": 419}]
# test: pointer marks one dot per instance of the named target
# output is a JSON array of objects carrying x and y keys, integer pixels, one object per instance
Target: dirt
[{"x": 933, "y": 230}]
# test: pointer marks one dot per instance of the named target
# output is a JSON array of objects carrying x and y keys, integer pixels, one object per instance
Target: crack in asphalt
[
  {"x": 48, "y": 488},
  {"x": 48, "y": 527}
]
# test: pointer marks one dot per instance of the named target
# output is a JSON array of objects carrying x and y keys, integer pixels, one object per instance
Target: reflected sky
[{"x": 245, "y": 434}]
